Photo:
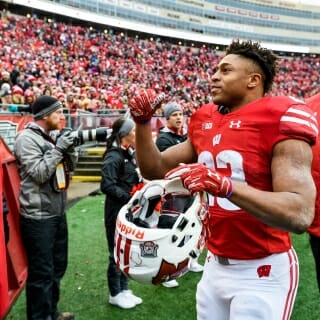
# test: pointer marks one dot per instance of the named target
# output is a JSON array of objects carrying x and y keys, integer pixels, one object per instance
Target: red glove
[
  {"x": 197, "y": 177},
  {"x": 144, "y": 105}
]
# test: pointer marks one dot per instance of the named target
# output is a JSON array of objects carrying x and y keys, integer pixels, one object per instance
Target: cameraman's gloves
[
  {"x": 197, "y": 177},
  {"x": 144, "y": 105},
  {"x": 65, "y": 142}
]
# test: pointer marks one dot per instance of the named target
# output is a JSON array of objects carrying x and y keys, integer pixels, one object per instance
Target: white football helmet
[{"x": 159, "y": 231}]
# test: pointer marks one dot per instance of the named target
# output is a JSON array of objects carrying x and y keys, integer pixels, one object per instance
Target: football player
[{"x": 252, "y": 153}]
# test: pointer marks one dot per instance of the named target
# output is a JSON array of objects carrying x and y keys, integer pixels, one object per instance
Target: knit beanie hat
[
  {"x": 170, "y": 108},
  {"x": 44, "y": 105}
]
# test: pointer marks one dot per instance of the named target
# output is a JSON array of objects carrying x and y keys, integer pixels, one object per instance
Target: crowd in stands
[{"x": 96, "y": 70}]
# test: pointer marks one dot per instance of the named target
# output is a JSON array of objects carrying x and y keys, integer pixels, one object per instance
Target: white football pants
[{"x": 263, "y": 289}]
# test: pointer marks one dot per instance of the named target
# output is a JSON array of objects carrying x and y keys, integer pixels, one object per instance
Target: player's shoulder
[
  {"x": 292, "y": 116},
  {"x": 314, "y": 102},
  {"x": 205, "y": 110},
  {"x": 281, "y": 101},
  {"x": 286, "y": 104},
  {"x": 297, "y": 119},
  {"x": 203, "y": 116}
]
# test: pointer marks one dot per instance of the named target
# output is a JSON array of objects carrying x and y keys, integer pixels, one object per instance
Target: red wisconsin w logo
[
  {"x": 264, "y": 271},
  {"x": 170, "y": 270}
]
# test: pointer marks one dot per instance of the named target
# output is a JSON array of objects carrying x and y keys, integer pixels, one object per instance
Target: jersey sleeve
[{"x": 299, "y": 122}]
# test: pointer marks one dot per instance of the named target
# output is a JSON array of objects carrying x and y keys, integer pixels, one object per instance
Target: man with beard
[{"x": 44, "y": 163}]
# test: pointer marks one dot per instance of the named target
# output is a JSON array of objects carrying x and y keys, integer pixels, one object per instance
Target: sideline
[{"x": 77, "y": 190}]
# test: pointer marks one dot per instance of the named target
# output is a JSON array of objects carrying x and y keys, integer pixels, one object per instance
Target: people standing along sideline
[
  {"x": 251, "y": 152},
  {"x": 173, "y": 133},
  {"x": 44, "y": 165},
  {"x": 119, "y": 177}
]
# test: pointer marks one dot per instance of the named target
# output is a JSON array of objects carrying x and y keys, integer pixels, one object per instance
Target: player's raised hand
[
  {"x": 144, "y": 104},
  {"x": 197, "y": 177}
]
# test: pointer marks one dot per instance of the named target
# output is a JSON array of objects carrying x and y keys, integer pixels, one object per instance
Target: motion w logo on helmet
[{"x": 169, "y": 271}]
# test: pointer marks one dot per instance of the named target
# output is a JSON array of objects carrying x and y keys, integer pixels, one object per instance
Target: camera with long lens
[{"x": 82, "y": 136}]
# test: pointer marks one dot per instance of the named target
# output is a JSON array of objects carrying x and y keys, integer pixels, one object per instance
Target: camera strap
[{"x": 61, "y": 179}]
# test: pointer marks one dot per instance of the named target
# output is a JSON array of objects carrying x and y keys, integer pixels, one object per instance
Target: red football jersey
[
  {"x": 240, "y": 144},
  {"x": 314, "y": 104}
]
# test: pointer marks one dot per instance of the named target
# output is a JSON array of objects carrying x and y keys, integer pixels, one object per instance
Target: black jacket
[
  {"x": 168, "y": 138},
  {"x": 119, "y": 175}
]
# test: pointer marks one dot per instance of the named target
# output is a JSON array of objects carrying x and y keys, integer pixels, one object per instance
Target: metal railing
[{"x": 80, "y": 120}]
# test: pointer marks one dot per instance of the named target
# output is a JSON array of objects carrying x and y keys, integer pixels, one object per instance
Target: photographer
[{"x": 44, "y": 167}]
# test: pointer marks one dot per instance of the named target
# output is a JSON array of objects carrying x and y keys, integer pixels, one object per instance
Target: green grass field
[{"x": 84, "y": 289}]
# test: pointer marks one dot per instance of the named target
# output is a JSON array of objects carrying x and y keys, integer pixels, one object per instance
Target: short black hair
[{"x": 265, "y": 58}]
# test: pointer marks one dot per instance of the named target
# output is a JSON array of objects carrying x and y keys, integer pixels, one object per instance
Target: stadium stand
[
  {"x": 94, "y": 68},
  {"x": 93, "y": 54},
  {"x": 293, "y": 23}
]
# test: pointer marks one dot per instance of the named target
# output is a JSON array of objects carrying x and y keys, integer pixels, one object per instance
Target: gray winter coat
[{"x": 37, "y": 160}]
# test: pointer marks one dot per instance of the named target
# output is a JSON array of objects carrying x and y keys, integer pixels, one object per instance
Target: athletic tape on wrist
[{"x": 229, "y": 194}]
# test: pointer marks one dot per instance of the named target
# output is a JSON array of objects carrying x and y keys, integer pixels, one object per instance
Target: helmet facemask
[{"x": 159, "y": 231}]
